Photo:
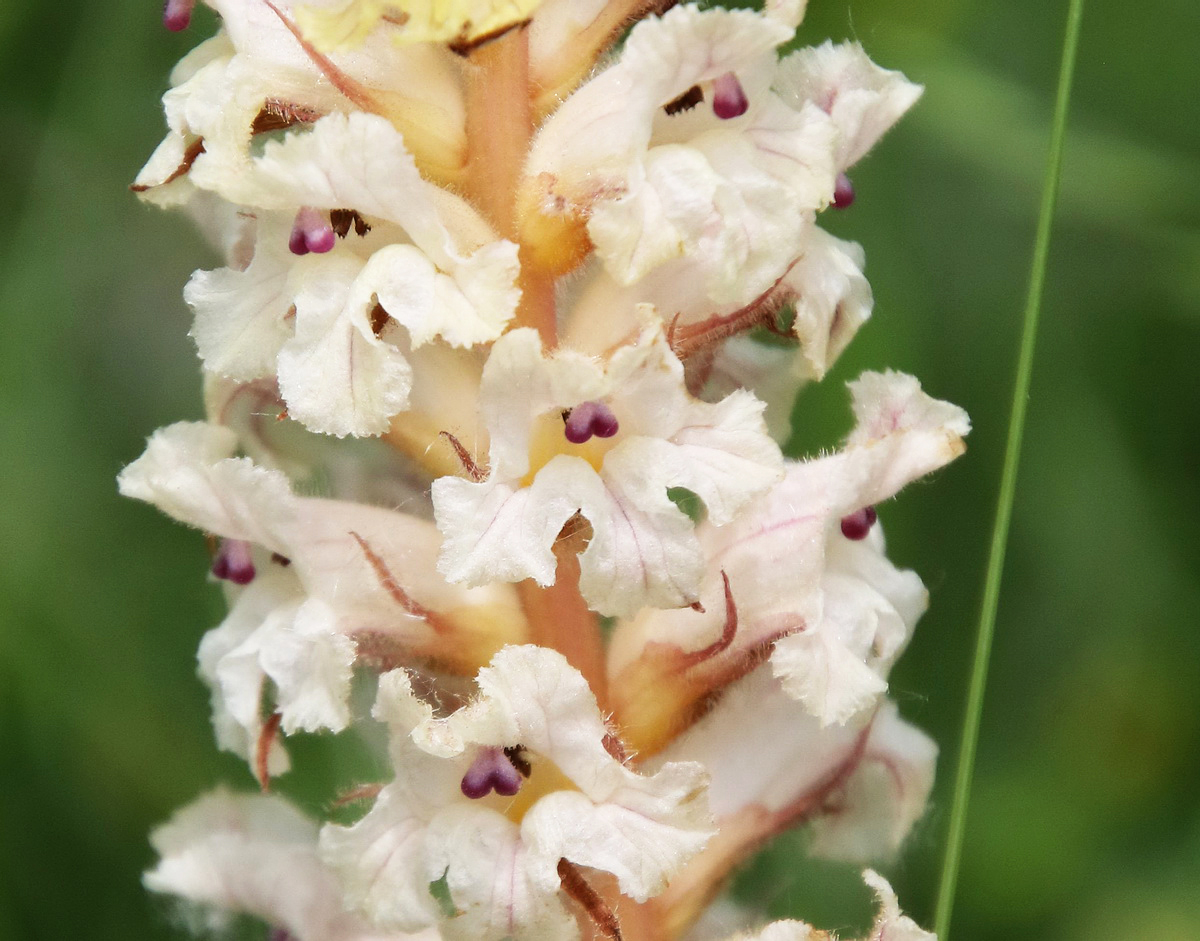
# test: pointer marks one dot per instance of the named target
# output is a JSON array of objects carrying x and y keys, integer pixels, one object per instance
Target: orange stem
[
  {"x": 499, "y": 124},
  {"x": 559, "y": 618}
]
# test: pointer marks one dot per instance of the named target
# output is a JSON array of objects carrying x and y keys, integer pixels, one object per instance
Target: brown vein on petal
[
  {"x": 339, "y": 79},
  {"x": 194, "y": 150},
  {"x": 262, "y": 750},
  {"x": 388, "y": 581},
  {"x": 469, "y": 465},
  {"x": 598, "y": 910}
]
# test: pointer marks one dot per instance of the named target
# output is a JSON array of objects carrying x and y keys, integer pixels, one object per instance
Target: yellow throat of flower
[{"x": 547, "y": 440}]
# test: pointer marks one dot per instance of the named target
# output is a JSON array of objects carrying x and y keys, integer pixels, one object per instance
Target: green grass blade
[{"x": 1008, "y": 485}]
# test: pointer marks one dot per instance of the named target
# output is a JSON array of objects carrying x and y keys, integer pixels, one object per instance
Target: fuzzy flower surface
[
  {"x": 534, "y": 738},
  {"x": 511, "y": 304}
]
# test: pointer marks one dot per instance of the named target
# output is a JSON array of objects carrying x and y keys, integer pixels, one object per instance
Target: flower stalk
[{"x": 615, "y": 639}]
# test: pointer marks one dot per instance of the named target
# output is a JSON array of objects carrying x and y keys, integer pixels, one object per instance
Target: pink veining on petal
[
  {"x": 311, "y": 232},
  {"x": 491, "y": 771},
  {"x": 234, "y": 562},
  {"x": 859, "y": 523},
  {"x": 843, "y": 192},
  {"x": 729, "y": 98},
  {"x": 177, "y": 14},
  {"x": 590, "y": 418}
]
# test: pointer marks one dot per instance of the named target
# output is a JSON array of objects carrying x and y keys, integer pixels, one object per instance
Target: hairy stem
[
  {"x": 559, "y": 618},
  {"x": 500, "y": 124}
]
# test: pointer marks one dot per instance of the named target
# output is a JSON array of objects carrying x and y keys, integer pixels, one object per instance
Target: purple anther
[
  {"x": 590, "y": 418},
  {"x": 729, "y": 99},
  {"x": 177, "y": 14},
  {"x": 233, "y": 562},
  {"x": 843, "y": 192},
  {"x": 311, "y": 232},
  {"x": 491, "y": 771},
  {"x": 859, "y": 523}
]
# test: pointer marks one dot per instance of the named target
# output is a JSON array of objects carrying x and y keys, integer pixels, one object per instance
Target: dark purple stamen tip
[
  {"x": 729, "y": 99},
  {"x": 843, "y": 192},
  {"x": 311, "y": 232},
  {"x": 491, "y": 771},
  {"x": 859, "y": 523},
  {"x": 177, "y": 14},
  {"x": 233, "y": 562},
  {"x": 590, "y": 418}
]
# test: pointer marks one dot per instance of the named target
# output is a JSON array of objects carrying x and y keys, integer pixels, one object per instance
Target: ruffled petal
[
  {"x": 242, "y": 315},
  {"x": 642, "y": 549},
  {"x": 188, "y": 472},
  {"x": 832, "y": 299},
  {"x": 497, "y": 891},
  {"x": 229, "y": 663},
  {"x": 336, "y": 375},
  {"x": 863, "y": 99},
  {"x": 676, "y": 189},
  {"x": 500, "y": 860},
  {"x": 381, "y": 863},
  {"x": 885, "y": 796},
  {"x": 251, "y": 854}
]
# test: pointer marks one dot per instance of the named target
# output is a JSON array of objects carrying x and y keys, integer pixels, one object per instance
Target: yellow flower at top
[{"x": 346, "y": 24}]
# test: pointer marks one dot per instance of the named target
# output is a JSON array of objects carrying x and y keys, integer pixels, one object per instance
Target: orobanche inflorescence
[{"x": 524, "y": 290}]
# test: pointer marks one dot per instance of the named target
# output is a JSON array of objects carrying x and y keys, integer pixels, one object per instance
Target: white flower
[
  {"x": 606, "y": 440},
  {"x": 339, "y": 572},
  {"x": 679, "y": 155},
  {"x": 884, "y": 796},
  {"x": 806, "y": 569},
  {"x": 831, "y": 298},
  {"x": 861, "y": 786},
  {"x": 327, "y": 322},
  {"x": 863, "y": 99},
  {"x": 257, "y": 76},
  {"x": 535, "y": 736},
  {"x": 257, "y": 855}
]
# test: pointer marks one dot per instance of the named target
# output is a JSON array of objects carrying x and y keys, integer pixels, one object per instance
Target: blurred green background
[{"x": 1085, "y": 816}]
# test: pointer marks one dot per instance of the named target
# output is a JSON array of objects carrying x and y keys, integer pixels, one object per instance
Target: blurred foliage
[{"x": 1085, "y": 820}]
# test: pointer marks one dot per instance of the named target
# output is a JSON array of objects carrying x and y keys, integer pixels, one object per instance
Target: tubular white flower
[
  {"x": 256, "y": 75},
  {"x": 863, "y": 99},
  {"x": 340, "y": 369},
  {"x": 718, "y": 194},
  {"x": 861, "y": 786},
  {"x": 499, "y": 857},
  {"x": 643, "y": 549},
  {"x": 883, "y": 798},
  {"x": 256, "y": 855},
  {"x": 351, "y": 571},
  {"x": 836, "y": 611}
]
